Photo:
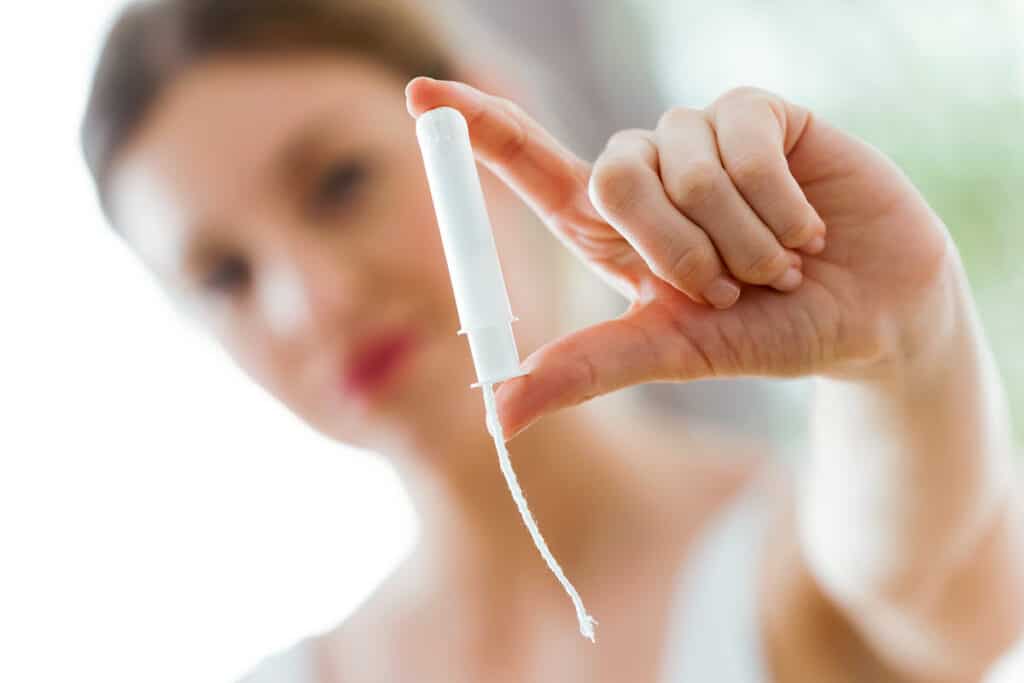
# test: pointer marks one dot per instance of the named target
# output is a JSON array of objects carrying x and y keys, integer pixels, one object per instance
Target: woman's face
[{"x": 284, "y": 201}]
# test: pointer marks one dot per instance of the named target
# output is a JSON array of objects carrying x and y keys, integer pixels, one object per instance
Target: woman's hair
[{"x": 153, "y": 42}]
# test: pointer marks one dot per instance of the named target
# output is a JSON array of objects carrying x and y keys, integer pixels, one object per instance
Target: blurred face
[{"x": 284, "y": 202}]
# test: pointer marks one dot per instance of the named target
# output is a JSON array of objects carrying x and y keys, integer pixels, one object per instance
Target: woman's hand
[
  {"x": 751, "y": 238},
  {"x": 907, "y": 520}
]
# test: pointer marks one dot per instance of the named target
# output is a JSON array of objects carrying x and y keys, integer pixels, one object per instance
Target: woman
[{"x": 261, "y": 159}]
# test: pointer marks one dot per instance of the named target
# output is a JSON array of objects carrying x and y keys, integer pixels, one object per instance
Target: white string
[{"x": 587, "y": 622}]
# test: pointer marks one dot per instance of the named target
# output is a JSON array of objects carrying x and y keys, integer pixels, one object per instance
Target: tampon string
[
  {"x": 587, "y": 622},
  {"x": 480, "y": 295}
]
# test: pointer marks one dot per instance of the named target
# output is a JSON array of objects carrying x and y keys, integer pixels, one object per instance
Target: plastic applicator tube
[{"x": 480, "y": 295}]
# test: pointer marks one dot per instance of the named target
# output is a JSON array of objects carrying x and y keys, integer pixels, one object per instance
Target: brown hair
[{"x": 152, "y": 43}]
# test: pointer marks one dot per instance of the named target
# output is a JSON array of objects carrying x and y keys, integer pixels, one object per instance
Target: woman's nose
[{"x": 311, "y": 290}]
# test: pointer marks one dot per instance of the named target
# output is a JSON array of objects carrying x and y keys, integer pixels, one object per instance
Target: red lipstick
[{"x": 375, "y": 361}]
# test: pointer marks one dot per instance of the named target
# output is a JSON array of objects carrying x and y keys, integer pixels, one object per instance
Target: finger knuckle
[
  {"x": 797, "y": 234},
  {"x": 615, "y": 185},
  {"x": 589, "y": 378},
  {"x": 695, "y": 184},
  {"x": 744, "y": 94},
  {"x": 518, "y": 136},
  {"x": 514, "y": 107},
  {"x": 751, "y": 172},
  {"x": 690, "y": 268},
  {"x": 765, "y": 267},
  {"x": 676, "y": 116},
  {"x": 628, "y": 135}
]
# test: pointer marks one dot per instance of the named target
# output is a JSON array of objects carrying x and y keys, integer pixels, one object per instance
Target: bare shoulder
[
  {"x": 367, "y": 646},
  {"x": 335, "y": 655}
]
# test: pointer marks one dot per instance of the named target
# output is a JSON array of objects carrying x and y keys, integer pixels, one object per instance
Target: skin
[{"x": 749, "y": 238}]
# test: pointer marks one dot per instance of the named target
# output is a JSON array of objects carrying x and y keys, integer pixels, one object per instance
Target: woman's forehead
[
  {"x": 230, "y": 118},
  {"x": 225, "y": 131}
]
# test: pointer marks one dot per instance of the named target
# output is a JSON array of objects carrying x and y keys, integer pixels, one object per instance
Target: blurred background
[{"x": 161, "y": 519}]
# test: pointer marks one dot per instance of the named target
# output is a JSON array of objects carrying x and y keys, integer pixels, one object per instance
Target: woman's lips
[{"x": 376, "y": 363}]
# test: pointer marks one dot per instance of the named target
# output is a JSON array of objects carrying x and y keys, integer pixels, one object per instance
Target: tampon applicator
[{"x": 485, "y": 313}]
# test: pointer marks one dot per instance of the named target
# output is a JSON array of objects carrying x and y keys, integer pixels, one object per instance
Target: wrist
[{"x": 928, "y": 338}]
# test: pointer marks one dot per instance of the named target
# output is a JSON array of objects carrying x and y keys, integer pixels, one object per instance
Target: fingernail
[
  {"x": 789, "y": 280},
  {"x": 722, "y": 293},
  {"x": 815, "y": 246}
]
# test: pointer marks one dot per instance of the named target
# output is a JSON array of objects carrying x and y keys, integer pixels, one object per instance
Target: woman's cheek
[
  {"x": 422, "y": 253},
  {"x": 256, "y": 352},
  {"x": 282, "y": 303}
]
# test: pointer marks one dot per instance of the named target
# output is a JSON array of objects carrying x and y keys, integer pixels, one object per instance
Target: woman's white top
[{"x": 713, "y": 633}]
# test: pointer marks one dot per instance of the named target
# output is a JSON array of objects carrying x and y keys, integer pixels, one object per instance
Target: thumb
[{"x": 642, "y": 345}]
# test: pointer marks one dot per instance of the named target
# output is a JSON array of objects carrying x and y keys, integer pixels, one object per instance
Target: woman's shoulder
[
  {"x": 367, "y": 642},
  {"x": 335, "y": 655}
]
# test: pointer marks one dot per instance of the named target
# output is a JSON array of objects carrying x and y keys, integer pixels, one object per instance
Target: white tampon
[
  {"x": 484, "y": 309},
  {"x": 485, "y": 313}
]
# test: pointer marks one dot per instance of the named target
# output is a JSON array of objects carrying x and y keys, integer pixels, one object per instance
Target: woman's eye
[
  {"x": 227, "y": 276},
  {"x": 338, "y": 184}
]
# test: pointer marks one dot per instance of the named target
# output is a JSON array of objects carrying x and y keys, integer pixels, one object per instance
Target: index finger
[{"x": 517, "y": 148}]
